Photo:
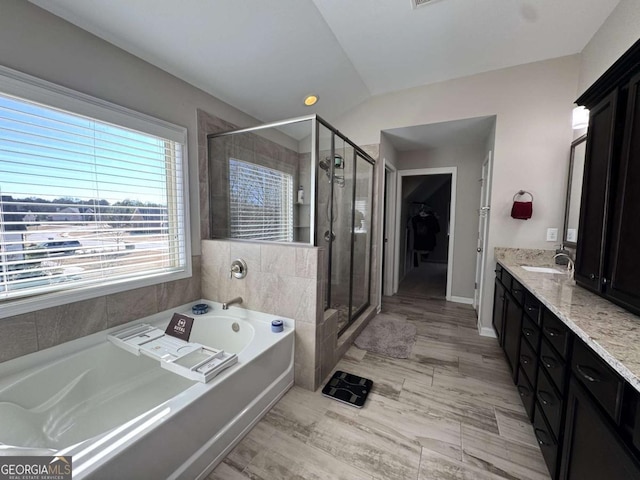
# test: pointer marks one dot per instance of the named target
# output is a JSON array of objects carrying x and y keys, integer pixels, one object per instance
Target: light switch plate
[{"x": 552, "y": 234}]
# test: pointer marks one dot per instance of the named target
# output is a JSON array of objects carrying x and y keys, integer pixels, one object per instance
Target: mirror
[{"x": 574, "y": 191}]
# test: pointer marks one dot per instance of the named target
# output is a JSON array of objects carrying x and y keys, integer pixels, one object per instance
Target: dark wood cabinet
[
  {"x": 585, "y": 417},
  {"x": 593, "y": 449},
  {"x": 623, "y": 259},
  {"x": 498, "y": 310},
  {"x": 607, "y": 257},
  {"x": 595, "y": 193},
  {"x": 512, "y": 328}
]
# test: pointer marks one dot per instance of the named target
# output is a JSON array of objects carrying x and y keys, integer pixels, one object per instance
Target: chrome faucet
[
  {"x": 571, "y": 266},
  {"x": 226, "y": 305}
]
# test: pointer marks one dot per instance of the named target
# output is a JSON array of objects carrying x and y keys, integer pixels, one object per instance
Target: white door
[{"x": 483, "y": 230}]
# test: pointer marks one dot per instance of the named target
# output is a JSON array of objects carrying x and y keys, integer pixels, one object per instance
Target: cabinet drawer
[
  {"x": 546, "y": 441},
  {"x": 506, "y": 279},
  {"x": 550, "y": 402},
  {"x": 551, "y": 362},
  {"x": 499, "y": 271},
  {"x": 528, "y": 361},
  {"x": 556, "y": 332},
  {"x": 526, "y": 392},
  {"x": 531, "y": 332},
  {"x": 599, "y": 378},
  {"x": 532, "y": 307},
  {"x": 517, "y": 290}
]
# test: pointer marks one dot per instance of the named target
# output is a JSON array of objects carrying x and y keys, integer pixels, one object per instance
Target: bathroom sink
[{"x": 542, "y": 269}]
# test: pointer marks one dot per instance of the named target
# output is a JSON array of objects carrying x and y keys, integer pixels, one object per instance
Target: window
[
  {"x": 260, "y": 202},
  {"x": 85, "y": 201}
]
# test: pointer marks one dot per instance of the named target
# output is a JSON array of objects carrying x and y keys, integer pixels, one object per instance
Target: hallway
[
  {"x": 427, "y": 280},
  {"x": 449, "y": 411}
]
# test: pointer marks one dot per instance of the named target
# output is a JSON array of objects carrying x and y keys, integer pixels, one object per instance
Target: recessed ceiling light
[{"x": 310, "y": 100}]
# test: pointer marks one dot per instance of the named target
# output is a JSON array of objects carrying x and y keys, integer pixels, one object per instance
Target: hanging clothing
[{"x": 425, "y": 229}]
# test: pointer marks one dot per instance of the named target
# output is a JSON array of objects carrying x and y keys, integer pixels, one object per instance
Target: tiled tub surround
[
  {"x": 612, "y": 332},
  {"x": 285, "y": 280},
  {"x": 33, "y": 331}
]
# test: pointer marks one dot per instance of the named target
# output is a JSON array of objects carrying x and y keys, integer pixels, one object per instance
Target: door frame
[
  {"x": 389, "y": 218},
  {"x": 453, "y": 171},
  {"x": 483, "y": 210}
]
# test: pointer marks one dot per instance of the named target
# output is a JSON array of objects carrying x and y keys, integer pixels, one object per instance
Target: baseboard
[
  {"x": 465, "y": 300},
  {"x": 488, "y": 332}
]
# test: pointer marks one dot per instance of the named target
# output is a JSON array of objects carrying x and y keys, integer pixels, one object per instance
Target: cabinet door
[
  {"x": 595, "y": 193},
  {"x": 512, "y": 328},
  {"x": 622, "y": 283},
  {"x": 498, "y": 310},
  {"x": 592, "y": 450}
]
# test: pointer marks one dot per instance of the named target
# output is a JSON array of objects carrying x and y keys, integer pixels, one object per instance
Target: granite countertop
[{"x": 612, "y": 332}]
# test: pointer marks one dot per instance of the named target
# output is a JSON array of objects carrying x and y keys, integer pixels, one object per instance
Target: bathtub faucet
[{"x": 226, "y": 305}]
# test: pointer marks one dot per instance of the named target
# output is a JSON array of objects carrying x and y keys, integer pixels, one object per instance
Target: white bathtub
[{"x": 123, "y": 416}]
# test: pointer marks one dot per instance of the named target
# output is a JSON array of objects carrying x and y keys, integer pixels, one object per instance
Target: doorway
[
  {"x": 425, "y": 213},
  {"x": 483, "y": 232}
]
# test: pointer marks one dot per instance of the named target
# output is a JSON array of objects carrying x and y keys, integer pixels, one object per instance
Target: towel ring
[{"x": 522, "y": 192}]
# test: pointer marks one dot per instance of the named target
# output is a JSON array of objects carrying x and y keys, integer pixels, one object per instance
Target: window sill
[{"x": 24, "y": 305}]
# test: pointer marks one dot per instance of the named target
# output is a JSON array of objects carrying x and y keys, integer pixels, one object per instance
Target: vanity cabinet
[
  {"x": 498, "y": 310},
  {"x": 595, "y": 193},
  {"x": 623, "y": 258},
  {"x": 593, "y": 449},
  {"x": 585, "y": 417},
  {"x": 512, "y": 329},
  {"x": 607, "y": 257}
]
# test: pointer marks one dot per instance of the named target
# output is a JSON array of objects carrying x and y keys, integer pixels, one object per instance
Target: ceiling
[
  {"x": 263, "y": 57},
  {"x": 469, "y": 131}
]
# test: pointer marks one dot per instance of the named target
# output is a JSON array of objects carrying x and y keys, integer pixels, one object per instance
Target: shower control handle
[{"x": 238, "y": 269}]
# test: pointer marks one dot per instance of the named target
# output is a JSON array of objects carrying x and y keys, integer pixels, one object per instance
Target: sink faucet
[
  {"x": 571, "y": 266},
  {"x": 226, "y": 305}
]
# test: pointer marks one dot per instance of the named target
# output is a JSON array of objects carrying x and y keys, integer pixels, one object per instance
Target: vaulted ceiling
[{"x": 264, "y": 56}]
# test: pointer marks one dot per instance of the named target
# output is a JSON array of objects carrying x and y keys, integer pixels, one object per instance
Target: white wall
[
  {"x": 38, "y": 43},
  {"x": 615, "y": 36},
  {"x": 533, "y": 104},
  {"x": 468, "y": 159},
  {"x": 387, "y": 150}
]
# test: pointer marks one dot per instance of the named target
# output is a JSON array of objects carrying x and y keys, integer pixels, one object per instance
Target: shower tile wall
[
  {"x": 250, "y": 148},
  {"x": 282, "y": 280}
]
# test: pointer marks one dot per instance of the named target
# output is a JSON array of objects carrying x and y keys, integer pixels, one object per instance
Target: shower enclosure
[{"x": 299, "y": 181}]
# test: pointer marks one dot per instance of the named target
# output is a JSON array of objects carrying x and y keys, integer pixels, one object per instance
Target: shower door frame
[
  {"x": 314, "y": 236},
  {"x": 313, "y": 161},
  {"x": 365, "y": 156}
]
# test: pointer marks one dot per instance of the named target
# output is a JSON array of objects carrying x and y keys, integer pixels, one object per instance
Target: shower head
[{"x": 324, "y": 164}]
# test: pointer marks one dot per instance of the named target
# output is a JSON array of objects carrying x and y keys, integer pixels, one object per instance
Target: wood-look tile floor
[
  {"x": 450, "y": 411},
  {"x": 427, "y": 280}
]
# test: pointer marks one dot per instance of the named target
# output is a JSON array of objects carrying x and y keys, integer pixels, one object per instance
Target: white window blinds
[
  {"x": 260, "y": 202},
  {"x": 84, "y": 202}
]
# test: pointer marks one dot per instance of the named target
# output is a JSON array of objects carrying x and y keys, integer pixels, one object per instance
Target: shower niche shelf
[{"x": 188, "y": 359}]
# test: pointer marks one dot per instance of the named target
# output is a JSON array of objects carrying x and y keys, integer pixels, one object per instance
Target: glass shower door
[
  {"x": 362, "y": 215},
  {"x": 343, "y": 171}
]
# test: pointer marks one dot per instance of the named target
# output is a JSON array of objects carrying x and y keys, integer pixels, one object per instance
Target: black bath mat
[{"x": 348, "y": 388}]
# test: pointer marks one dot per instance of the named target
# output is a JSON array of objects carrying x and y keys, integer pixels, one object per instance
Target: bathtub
[{"x": 123, "y": 416}]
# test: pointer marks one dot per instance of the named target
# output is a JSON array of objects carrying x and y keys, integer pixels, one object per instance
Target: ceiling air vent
[{"x": 421, "y": 3}]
